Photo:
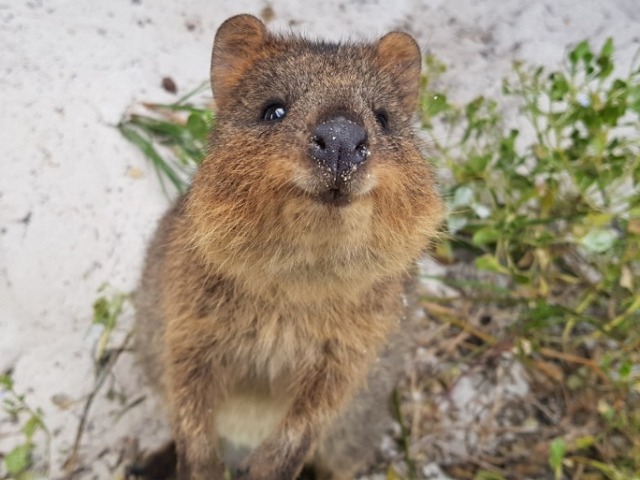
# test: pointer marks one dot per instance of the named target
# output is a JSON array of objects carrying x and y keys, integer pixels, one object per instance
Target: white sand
[{"x": 71, "y": 215}]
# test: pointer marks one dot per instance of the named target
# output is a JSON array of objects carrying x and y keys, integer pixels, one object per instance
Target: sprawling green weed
[
  {"x": 18, "y": 463},
  {"x": 550, "y": 201}
]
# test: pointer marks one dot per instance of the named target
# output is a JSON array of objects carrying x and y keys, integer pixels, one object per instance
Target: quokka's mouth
[{"x": 335, "y": 197}]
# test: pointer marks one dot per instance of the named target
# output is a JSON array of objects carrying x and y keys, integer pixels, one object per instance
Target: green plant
[
  {"x": 557, "y": 451},
  {"x": 552, "y": 206},
  {"x": 173, "y": 137},
  {"x": 107, "y": 309},
  {"x": 18, "y": 462}
]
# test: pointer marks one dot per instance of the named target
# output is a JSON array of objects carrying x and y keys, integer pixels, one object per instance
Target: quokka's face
[
  {"x": 313, "y": 176},
  {"x": 320, "y": 121}
]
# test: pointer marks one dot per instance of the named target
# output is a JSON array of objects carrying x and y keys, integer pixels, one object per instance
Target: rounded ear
[
  {"x": 399, "y": 57},
  {"x": 235, "y": 48}
]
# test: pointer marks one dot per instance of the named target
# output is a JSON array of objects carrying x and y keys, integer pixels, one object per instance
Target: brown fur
[{"x": 260, "y": 299}]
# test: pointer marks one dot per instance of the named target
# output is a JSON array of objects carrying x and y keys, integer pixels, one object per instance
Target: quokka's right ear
[{"x": 235, "y": 48}]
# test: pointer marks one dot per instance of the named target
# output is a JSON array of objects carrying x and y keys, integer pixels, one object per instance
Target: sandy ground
[{"x": 72, "y": 213}]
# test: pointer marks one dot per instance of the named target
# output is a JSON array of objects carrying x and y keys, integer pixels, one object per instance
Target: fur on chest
[{"x": 245, "y": 419}]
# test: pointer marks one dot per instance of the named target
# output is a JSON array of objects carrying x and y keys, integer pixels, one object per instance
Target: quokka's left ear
[{"x": 399, "y": 57}]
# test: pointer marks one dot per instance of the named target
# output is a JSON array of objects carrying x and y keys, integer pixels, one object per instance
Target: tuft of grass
[{"x": 172, "y": 136}]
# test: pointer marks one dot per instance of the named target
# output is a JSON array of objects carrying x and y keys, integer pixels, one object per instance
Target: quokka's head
[{"x": 313, "y": 144}]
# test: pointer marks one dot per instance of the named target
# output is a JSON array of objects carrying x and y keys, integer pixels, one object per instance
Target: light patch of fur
[{"x": 245, "y": 420}]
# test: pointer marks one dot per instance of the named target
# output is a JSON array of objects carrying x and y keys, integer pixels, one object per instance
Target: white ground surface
[{"x": 73, "y": 217}]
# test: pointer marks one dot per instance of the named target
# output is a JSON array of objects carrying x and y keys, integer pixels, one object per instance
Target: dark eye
[
  {"x": 382, "y": 117},
  {"x": 274, "y": 112}
]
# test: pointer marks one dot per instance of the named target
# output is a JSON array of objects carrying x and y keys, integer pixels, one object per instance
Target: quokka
[{"x": 270, "y": 312}]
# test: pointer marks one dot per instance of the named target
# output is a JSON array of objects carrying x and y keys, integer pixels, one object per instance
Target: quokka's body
[{"x": 270, "y": 309}]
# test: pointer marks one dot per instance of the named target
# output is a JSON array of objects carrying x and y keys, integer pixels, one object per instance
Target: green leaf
[
  {"x": 485, "y": 235},
  {"x": 478, "y": 163},
  {"x": 197, "y": 126},
  {"x": 158, "y": 127},
  {"x": 435, "y": 104},
  {"x": 490, "y": 263},
  {"x": 557, "y": 451},
  {"x": 604, "y": 60},
  {"x": 559, "y": 86},
  {"x": 31, "y": 426},
  {"x": 599, "y": 240},
  {"x": 473, "y": 107},
  {"x": 634, "y": 98},
  {"x": 18, "y": 459},
  {"x": 101, "y": 311},
  {"x": 582, "y": 52},
  {"x": 606, "y": 67},
  {"x": 6, "y": 381},
  {"x": 584, "y": 442},
  {"x": 607, "y": 48},
  {"x": 625, "y": 369},
  {"x": 546, "y": 312},
  {"x": 508, "y": 153}
]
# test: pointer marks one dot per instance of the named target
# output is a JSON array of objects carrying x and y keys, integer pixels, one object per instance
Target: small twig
[
  {"x": 486, "y": 465},
  {"x": 568, "y": 357},
  {"x": 450, "y": 316},
  {"x": 129, "y": 406},
  {"x": 105, "y": 370}
]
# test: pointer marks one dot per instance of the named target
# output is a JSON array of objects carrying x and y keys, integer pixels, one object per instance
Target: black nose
[{"x": 339, "y": 144}]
